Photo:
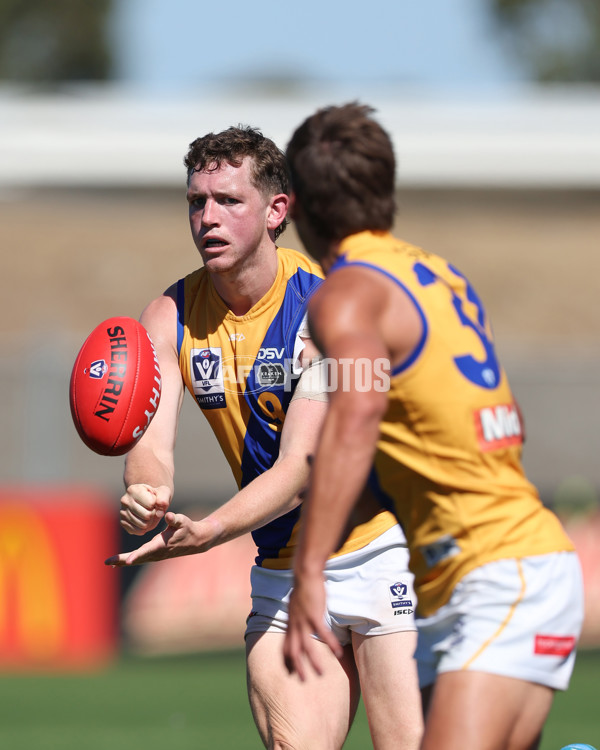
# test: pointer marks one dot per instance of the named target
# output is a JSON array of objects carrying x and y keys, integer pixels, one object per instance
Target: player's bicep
[
  {"x": 160, "y": 320},
  {"x": 313, "y": 383},
  {"x": 346, "y": 319},
  {"x": 300, "y": 433}
]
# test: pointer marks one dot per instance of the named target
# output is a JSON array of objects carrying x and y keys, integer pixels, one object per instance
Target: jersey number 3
[{"x": 486, "y": 373}]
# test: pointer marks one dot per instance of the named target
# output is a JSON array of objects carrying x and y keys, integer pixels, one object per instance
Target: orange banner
[{"x": 58, "y": 602}]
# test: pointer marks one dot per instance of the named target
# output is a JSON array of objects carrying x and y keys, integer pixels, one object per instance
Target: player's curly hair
[
  {"x": 269, "y": 167},
  {"x": 342, "y": 168}
]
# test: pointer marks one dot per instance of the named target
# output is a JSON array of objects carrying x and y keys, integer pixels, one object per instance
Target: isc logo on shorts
[{"x": 498, "y": 427}]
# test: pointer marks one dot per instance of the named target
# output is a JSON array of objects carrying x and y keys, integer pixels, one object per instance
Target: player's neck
[
  {"x": 329, "y": 256},
  {"x": 242, "y": 287}
]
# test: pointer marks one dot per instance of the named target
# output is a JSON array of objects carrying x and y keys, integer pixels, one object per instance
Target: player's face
[{"x": 229, "y": 216}]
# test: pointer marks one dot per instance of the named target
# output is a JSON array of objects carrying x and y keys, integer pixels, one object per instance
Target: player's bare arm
[
  {"x": 355, "y": 317},
  {"x": 149, "y": 466},
  {"x": 393, "y": 316},
  {"x": 270, "y": 495}
]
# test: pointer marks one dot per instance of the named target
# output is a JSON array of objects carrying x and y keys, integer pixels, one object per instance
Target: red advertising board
[{"x": 58, "y": 602}]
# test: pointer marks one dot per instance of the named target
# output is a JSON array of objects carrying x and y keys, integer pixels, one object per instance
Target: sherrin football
[{"x": 115, "y": 386}]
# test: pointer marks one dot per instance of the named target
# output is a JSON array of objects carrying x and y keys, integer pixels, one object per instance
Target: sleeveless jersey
[
  {"x": 242, "y": 372},
  {"x": 448, "y": 459}
]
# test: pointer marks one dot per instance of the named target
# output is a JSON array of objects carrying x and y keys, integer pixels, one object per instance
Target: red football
[{"x": 115, "y": 386}]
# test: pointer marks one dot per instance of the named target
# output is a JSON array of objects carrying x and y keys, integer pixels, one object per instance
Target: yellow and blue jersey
[
  {"x": 448, "y": 460},
  {"x": 242, "y": 372}
]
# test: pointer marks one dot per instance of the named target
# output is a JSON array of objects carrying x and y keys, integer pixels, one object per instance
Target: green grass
[
  {"x": 575, "y": 714},
  {"x": 199, "y": 703},
  {"x": 171, "y": 704}
]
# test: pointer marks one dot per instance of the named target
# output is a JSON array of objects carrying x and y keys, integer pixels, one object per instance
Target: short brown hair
[
  {"x": 269, "y": 168},
  {"x": 343, "y": 170}
]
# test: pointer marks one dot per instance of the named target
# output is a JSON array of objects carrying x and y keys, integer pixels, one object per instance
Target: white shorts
[
  {"x": 517, "y": 617},
  {"x": 369, "y": 591}
]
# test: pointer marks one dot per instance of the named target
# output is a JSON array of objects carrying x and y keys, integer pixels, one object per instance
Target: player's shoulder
[
  {"x": 352, "y": 284},
  {"x": 349, "y": 296},
  {"x": 295, "y": 259},
  {"x": 381, "y": 250},
  {"x": 159, "y": 314},
  {"x": 191, "y": 290},
  {"x": 193, "y": 280}
]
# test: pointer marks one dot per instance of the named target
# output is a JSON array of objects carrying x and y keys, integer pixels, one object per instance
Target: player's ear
[{"x": 278, "y": 208}]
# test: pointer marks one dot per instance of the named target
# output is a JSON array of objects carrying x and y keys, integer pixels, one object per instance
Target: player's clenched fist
[{"x": 142, "y": 507}]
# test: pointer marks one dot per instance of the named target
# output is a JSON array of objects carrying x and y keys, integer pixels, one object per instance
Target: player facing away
[
  {"x": 498, "y": 584},
  {"x": 233, "y": 333}
]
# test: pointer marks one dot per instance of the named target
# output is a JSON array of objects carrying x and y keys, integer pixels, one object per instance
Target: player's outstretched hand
[
  {"x": 143, "y": 507},
  {"x": 307, "y": 617},
  {"x": 179, "y": 538}
]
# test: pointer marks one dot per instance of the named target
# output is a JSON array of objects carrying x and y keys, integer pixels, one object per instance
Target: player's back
[{"x": 449, "y": 454}]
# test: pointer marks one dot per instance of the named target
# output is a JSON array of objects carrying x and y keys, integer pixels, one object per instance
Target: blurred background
[{"x": 494, "y": 110}]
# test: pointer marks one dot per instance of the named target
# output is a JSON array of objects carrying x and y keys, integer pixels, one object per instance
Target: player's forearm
[
  {"x": 340, "y": 470},
  {"x": 267, "y": 497},
  {"x": 144, "y": 465}
]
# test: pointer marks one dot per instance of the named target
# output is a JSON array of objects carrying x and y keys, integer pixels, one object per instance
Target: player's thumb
[
  {"x": 162, "y": 500},
  {"x": 174, "y": 520}
]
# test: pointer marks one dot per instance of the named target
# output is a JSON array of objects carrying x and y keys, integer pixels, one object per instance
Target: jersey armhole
[
  {"x": 414, "y": 355},
  {"x": 180, "y": 302}
]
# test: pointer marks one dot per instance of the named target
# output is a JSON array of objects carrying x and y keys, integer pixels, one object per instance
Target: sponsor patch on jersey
[
  {"x": 554, "y": 645},
  {"x": 269, "y": 374},
  {"x": 498, "y": 427},
  {"x": 206, "y": 368}
]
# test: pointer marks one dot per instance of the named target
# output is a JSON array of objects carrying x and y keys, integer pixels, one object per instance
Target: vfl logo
[
  {"x": 207, "y": 377},
  {"x": 98, "y": 369},
  {"x": 399, "y": 589},
  {"x": 398, "y": 596},
  {"x": 206, "y": 366}
]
